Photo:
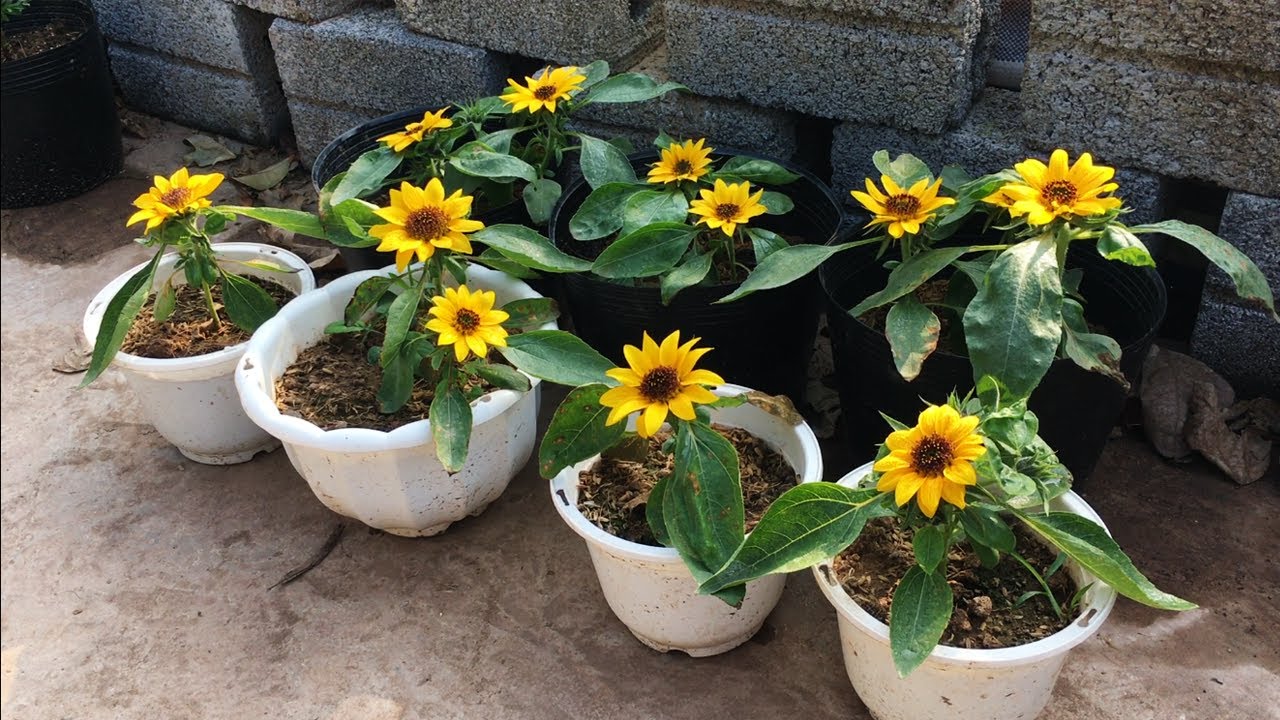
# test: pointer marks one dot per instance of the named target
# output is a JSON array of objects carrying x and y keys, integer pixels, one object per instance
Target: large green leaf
[
  {"x": 577, "y": 430},
  {"x": 247, "y": 304},
  {"x": 367, "y": 174},
  {"x": 496, "y": 260},
  {"x": 653, "y": 512},
  {"x": 558, "y": 357},
  {"x": 631, "y": 87},
  {"x": 930, "y": 547},
  {"x": 905, "y": 170},
  {"x": 499, "y": 141},
  {"x": 765, "y": 242},
  {"x": 529, "y": 312},
  {"x": 1091, "y": 351},
  {"x": 757, "y": 170},
  {"x": 397, "y": 379},
  {"x": 450, "y": 417},
  {"x": 1088, "y": 544},
  {"x": 1251, "y": 284},
  {"x": 504, "y": 377},
  {"x": 295, "y": 221},
  {"x": 651, "y": 250},
  {"x": 527, "y": 247},
  {"x": 986, "y": 527},
  {"x": 910, "y": 275},
  {"x": 784, "y": 266},
  {"x": 917, "y": 618},
  {"x": 653, "y": 206},
  {"x": 540, "y": 197},
  {"x": 808, "y": 524},
  {"x": 603, "y": 163},
  {"x": 366, "y": 298},
  {"x": 476, "y": 161},
  {"x": 686, "y": 274},
  {"x": 912, "y": 330},
  {"x": 121, "y": 310},
  {"x": 346, "y": 224},
  {"x": 601, "y": 213},
  {"x": 1117, "y": 243},
  {"x": 702, "y": 503},
  {"x": 1014, "y": 324},
  {"x": 400, "y": 319}
]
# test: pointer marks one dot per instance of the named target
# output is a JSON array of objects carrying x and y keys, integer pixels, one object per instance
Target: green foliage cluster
[{"x": 10, "y": 9}]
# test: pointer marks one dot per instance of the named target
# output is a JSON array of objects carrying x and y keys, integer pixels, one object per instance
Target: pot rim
[
  {"x": 589, "y": 531},
  {"x": 1094, "y": 613},
  {"x": 261, "y": 407},
  {"x": 97, "y": 307}
]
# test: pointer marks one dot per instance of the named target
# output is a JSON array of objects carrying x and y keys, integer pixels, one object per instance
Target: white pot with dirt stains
[
  {"x": 1014, "y": 683},
  {"x": 390, "y": 480},
  {"x": 649, "y": 588},
  {"x": 192, "y": 401}
]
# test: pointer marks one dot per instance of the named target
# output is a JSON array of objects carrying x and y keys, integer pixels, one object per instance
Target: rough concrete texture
[
  {"x": 210, "y": 32},
  {"x": 301, "y": 10},
  {"x": 562, "y": 31},
  {"x": 1241, "y": 344},
  {"x": 723, "y": 122},
  {"x": 1252, "y": 224},
  {"x": 824, "y": 63},
  {"x": 989, "y": 139},
  {"x": 367, "y": 62},
  {"x": 1242, "y": 32},
  {"x": 1187, "y": 120},
  {"x": 249, "y": 108},
  {"x": 316, "y": 125}
]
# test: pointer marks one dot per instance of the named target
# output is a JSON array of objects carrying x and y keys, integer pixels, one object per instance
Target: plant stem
[{"x": 1053, "y": 602}]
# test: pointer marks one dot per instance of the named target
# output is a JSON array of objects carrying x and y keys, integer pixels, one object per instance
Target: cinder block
[
  {"x": 316, "y": 125},
  {"x": 307, "y": 11},
  {"x": 1252, "y": 224},
  {"x": 988, "y": 140},
  {"x": 849, "y": 66},
  {"x": 563, "y": 31},
  {"x": 1212, "y": 123},
  {"x": 1242, "y": 344},
  {"x": 367, "y": 60},
  {"x": 245, "y": 107},
  {"x": 1241, "y": 32},
  {"x": 210, "y": 32}
]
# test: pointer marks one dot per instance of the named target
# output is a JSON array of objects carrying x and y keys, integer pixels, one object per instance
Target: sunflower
[
  {"x": 932, "y": 461},
  {"x": 682, "y": 161},
  {"x": 904, "y": 211},
  {"x": 467, "y": 321},
  {"x": 176, "y": 195},
  {"x": 1054, "y": 191},
  {"x": 727, "y": 206},
  {"x": 414, "y": 131},
  {"x": 419, "y": 220},
  {"x": 660, "y": 378},
  {"x": 548, "y": 88}
]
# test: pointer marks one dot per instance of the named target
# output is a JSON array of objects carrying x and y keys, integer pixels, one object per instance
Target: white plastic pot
[
  {"x": 954, "y": 683},
  {"x": 389, "y": 480},
  {"x": 192, "y": 401},
  {"x": 649, "y": 588}
]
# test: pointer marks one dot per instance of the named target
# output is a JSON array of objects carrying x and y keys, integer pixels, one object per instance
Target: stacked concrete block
[
  {"x": 308, "y": 11},
  {"x": 204, "y": 63},
  {"x": 989, "y": 139},
  {"x": 359, "y": 66},
  {"x": 569, "y": 32},
  {"x": 1188, "y": 89},
  {"x": 1242, "y": 342},
  {"x": 910, "y": 64}
]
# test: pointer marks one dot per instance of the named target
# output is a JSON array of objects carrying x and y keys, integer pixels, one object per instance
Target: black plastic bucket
[
  {"x": 1077, "y": 409},
  {"x": 763, "y": 341},
  {"x": 59, "y": 133}
]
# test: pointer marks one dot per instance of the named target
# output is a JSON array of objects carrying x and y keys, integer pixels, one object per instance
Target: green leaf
[
  {"x": 1117, "y": 243},
  {"x": 649, "y": 207},
  {"x": 651, "y": 250},
  {"x": 400, "y": 318},
  {"x": 346, "y": 225},
  {"x": 367, "y": 173},
  {"x": 918, "y": 616},
  {"x": 475, "y": 160},
  {"x": 295, "y": 221},
  {"x": 530, "y": 312},
  {"x": 268, "y": 177},
  {"x": 631, "y": 87},
  {"x": 540, "y": 197},
  {"x": 912, "y": 329},
  {"x": 123, "y": 307},
  {"x": 987, "y": 528},
  {"x": 450, "y": 417},
  {"x": 686, "y": 274},
  {"x": 500, "y": 141},
  {"x": 909, "y": 275},
  {"x": 601, "y": 213},
  {"x": 808, "y": 524},
  {"x": 366, "y": 298},
  {"x": 527, "y": 247},
  {"x": 594, "y": 73},
  {"x": 503, "y": 376},
  {"x": 757, "y": 171},
  {"x": 1014, "y": 324},
  {"x": 904, "y": 170},
  {"x": 166, "y": 301},
  {"x": 556, "y": 356},
  {"x": 783, "y": 266},
  {"x": 1090, "y": 351},
  {"x": 702, "y": 506},
  {"x": 498, "y": 261},
  {"x": 397, "y": 379},
  {"x": 577, "y": 431},
  {"x": 603, "y": 163},
  {"x": 653, "y": 511},
  {"x": 765, "y": 242},
  {"x": 248, "y": 305},
  {"x": 776, "y": 203},
  {"x": 1251, "y": 284},
  {"x": 930, "y": 547},
  {"x": 1088, "y": 544}
]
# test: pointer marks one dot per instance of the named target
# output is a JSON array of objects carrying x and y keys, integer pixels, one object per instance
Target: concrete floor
[{"x": 136, "y": 583}]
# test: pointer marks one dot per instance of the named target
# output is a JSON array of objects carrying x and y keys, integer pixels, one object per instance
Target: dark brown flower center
[
  {"x": 660, "y": 384},
  {"x": 683, "y": 167},
  {"x": 902, "y": 205},
  {"x": 1062, "y": 192},
  {"x": 931, "y": 456},
  {"x": 176, "y": 197},
  {"x": 726, "y": 211},
  {"x": 545, "y": 92},
  {"x": 427, "y": 223},
  {"x": 466, "y": 321}
]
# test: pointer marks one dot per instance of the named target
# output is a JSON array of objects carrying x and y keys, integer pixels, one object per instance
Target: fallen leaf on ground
[
  {"x": 269, "y": 177},
  {"x": 206, "y": 151}
]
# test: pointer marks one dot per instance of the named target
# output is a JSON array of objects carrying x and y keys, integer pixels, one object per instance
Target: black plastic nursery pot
[
  {"x": 763, "y": 341},
  {"x": 59, "y": 133},
  {"x": 1077, "y": 408}
]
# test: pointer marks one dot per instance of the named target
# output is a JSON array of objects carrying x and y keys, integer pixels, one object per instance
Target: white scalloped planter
[
  {"x": 649, "y": 588},
  {"x": 192, "y": 402},
  {"x": 389, "y": 480},
  {"x": 955, "y": 683}
]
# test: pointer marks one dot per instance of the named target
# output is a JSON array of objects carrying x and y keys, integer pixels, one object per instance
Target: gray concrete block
[
  {"x": 315, "y": 125},
  {"x": 989, "y": 139},
  {"x": 562, "y": 31},
  {"x": 307, "y": 11},
  {"x": 210, "y": 32},
  {"x": 826, "y": 64},
  {"x": 1252, "y": 224},
  {"x": 1241, "y": 344},
  {"x": 369, "y": 60},
  {"x": 1241, "y": 32},
  {"x": 1217, "y": 125},
  {"x": 198, "y": 95}
]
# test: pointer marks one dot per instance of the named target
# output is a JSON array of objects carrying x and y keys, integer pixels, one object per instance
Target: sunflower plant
[{"x": 961, "y": 476}]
